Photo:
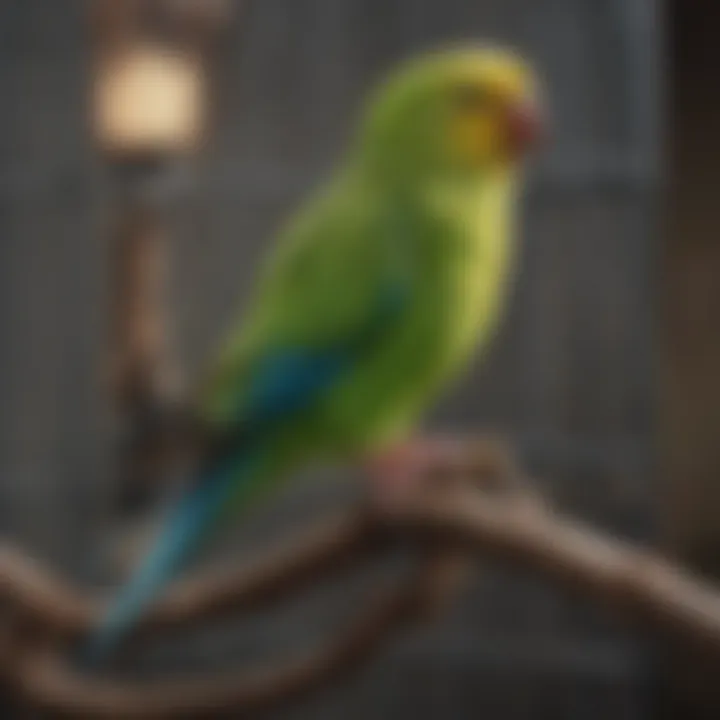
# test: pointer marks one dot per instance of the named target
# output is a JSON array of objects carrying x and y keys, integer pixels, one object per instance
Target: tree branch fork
[{"x": 480, "y": 509}]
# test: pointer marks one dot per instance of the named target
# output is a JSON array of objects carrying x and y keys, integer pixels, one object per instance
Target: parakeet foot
[{"x": 399, "y": 473}]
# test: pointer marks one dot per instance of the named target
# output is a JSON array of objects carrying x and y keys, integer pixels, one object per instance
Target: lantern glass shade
[{"x": 148, "y": 100}]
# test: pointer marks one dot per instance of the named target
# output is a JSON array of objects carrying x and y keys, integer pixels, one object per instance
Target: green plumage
[
  {"x": 401, "y": 209},
  {"x": 452, "y": 253}
]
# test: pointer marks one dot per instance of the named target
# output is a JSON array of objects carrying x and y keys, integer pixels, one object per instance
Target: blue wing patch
[
  {"x": 292, "y": 378},
  {"x": 288, "y": 380}
]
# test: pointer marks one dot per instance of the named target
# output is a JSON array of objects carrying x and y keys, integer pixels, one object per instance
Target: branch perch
[
  {"x": 68, "y": 614},
  {"x": 449, "y": 520}
]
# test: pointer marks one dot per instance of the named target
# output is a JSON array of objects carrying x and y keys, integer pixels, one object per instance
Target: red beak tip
[{"x": 527, "y": 127}]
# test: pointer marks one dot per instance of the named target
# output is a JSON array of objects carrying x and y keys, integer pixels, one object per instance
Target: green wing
[{"x": 336, "y": 287}]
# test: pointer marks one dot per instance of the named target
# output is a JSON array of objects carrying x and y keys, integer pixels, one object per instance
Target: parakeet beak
[{"x": 526, "y": 127}]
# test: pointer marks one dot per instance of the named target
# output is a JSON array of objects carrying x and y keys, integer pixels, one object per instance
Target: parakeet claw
[{"x": 398, "y": 474}]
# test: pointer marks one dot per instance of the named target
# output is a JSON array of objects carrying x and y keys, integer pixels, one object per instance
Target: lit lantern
[
  {"x": 149, "y": 86},
  {"x": 148, "y": 99}
]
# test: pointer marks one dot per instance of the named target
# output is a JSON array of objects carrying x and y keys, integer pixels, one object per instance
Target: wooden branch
[
  {"x": 62, "y": 611},
  {"x": 42, "y": 614},
  {"x": 635, "y": 582},
  {"x": 142, "y": 372},
  {"x": 43, "y": 680}
]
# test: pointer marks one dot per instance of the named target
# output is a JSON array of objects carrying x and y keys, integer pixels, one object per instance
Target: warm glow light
[{"x": 148, "y": 99}]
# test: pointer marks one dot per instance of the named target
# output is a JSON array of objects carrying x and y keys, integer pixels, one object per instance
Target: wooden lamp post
[{"x": 149, "y": 116}]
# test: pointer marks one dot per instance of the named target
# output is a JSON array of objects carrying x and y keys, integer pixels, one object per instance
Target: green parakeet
[{"x": 374, "y": 300}]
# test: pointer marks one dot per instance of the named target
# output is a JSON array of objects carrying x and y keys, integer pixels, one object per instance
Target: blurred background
[{"x": 570, "y": 382}]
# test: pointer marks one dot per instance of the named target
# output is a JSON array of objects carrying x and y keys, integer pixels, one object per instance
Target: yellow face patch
[
  {"x": 474, "y": 136},
  {"x": 489, "y": 85}
]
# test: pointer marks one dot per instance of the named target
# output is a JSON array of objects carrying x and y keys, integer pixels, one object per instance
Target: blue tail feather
[{"x": 187, "y": 523}]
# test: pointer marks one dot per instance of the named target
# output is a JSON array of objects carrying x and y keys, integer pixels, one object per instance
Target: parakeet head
[{"x": 455, "y": 113}]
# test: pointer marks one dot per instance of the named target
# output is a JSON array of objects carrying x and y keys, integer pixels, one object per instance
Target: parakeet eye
[{"x": 470, "y": 98}]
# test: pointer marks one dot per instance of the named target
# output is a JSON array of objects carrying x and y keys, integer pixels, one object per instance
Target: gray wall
[{"x": 570, "y": 379}]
